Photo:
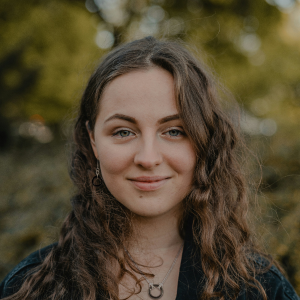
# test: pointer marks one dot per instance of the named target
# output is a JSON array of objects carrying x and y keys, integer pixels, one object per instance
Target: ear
[{"x": 92, "y": 139}]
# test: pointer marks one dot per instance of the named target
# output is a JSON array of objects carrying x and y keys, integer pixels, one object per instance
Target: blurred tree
[{"x": 46, "y": 50}]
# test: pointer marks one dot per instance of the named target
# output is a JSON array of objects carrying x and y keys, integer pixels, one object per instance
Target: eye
[
  {"x": 123, "y": 133},
  {"x": 175, "y": 132}
]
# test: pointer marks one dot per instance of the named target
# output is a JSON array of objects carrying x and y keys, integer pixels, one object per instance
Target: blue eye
[
  {"x": 175, "y": 132},
  {"x": 123, "y": 133}
]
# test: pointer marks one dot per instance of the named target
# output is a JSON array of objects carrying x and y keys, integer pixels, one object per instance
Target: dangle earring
[{"x": 96, "y": 179}]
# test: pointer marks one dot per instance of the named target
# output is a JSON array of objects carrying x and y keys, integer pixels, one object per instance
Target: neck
[{"x": 155, "y": 234}]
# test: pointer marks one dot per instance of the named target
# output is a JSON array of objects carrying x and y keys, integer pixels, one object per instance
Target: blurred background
[{"x": 49, "y": 49}]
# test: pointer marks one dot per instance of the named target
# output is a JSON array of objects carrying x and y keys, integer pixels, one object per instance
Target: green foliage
[
  {"x": 35, "y": 197},
  {"x": 48, "y": 50}
]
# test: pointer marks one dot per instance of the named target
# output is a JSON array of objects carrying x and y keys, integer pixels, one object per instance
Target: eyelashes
[
  {"x": 124, "y": 133},
  {"x": 175, "y": 132}
]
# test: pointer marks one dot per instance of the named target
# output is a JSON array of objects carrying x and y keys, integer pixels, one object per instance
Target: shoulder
[
  {"x": 14, "y": 279},
  {"x": 276, "y": 286}
]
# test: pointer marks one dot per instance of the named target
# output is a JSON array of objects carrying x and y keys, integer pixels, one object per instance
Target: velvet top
[{"x": 190, "y": 283}]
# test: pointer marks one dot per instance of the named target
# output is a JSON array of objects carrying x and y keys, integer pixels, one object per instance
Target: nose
[{"x": 148, "y": 154}]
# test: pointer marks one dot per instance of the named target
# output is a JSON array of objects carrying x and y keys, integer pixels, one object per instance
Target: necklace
[{"x": 152, "y": 285}]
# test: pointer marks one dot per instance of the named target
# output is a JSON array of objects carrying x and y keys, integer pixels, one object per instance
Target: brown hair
[{"x": 95, "y": 230}]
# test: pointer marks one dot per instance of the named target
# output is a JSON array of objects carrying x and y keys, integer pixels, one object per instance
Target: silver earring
[{"x": 96, "y": 181}]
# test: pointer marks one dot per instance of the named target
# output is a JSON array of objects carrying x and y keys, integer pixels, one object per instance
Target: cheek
[
  {"x": 113, "y": 161},
  {"x": 183, "y": 160}
]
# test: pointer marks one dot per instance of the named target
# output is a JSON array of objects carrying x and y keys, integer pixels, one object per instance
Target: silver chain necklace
[{"x": 152, "y": 285}]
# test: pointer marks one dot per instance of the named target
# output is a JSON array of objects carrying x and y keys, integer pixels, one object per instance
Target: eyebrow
[
  {"x": 168, "y": 118},
  {"x": 134, "y": 121},
  {"x": 121, "y": 117}
]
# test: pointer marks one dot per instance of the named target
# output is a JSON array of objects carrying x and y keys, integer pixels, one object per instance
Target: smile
[{"x": 149, "y": 183}]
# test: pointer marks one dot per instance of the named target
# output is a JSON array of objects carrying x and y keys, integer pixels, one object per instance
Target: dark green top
[{"x": 190, "y": 281}]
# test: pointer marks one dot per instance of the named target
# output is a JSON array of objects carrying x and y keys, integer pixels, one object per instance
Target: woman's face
[{"x": 146, "y": 160}]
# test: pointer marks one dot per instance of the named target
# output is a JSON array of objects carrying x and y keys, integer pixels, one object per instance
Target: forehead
[{"x": 140, "y": 94}]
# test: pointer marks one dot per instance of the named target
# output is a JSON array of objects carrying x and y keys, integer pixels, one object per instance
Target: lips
[{"x": 149, "y": 183}]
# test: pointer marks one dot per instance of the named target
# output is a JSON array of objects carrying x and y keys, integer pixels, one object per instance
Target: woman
[{"x": 161, "y": 208}]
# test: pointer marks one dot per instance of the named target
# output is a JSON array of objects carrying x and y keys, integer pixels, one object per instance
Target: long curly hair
[{"x": 93, "y": 234}]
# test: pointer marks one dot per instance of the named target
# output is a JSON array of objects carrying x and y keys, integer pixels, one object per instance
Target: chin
[
  {"x": 153, "y": 210},
  {"x": 148, "y": 214}
]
